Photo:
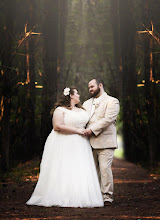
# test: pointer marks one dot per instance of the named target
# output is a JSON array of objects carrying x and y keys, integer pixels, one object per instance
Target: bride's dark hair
[{"x": 65, "y": 101}]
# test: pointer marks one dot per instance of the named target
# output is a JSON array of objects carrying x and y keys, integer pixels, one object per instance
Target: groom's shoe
[{"x": 107, "y": 203}]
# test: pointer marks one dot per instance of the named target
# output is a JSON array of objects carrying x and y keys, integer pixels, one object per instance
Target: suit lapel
[
  {"x": 92, "y": 112},
  {"x": 90, "y": 108},
  {"x": 104, "y": 96}
]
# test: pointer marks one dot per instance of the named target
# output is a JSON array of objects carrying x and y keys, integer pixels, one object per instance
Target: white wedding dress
[{"x": 68, "y": 175}]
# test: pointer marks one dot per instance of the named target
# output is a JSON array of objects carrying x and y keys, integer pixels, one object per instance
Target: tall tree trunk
[
  {"x": 61, "y": 44},
  {"x": 6, "y": 57},
  {"x": 129, "y": 77},
  {"x": 30, "y": 137},
  {"x": 49, "y": 95},
  {"x": 116, "y": 44},
  {"x": 149, "y": 88}
]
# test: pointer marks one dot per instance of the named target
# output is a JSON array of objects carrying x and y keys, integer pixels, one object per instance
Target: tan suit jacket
[{"x": 102, "y": 121}]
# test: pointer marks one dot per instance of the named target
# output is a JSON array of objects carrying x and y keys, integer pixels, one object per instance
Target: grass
[
  {"x": 119, "y": 153},
  {"x": 23, "y": 172}
]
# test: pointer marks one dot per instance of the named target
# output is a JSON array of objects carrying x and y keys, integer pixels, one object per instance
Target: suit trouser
[{"x": 103, "y": 159}]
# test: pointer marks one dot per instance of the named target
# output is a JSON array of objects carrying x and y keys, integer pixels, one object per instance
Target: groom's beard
[{"x": 95, "y": 93}]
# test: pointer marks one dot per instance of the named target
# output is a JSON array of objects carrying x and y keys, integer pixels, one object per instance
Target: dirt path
[{"x": 136, "y": 196}]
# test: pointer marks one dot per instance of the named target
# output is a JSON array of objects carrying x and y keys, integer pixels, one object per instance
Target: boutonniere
[{"x": 96, "y": 105}]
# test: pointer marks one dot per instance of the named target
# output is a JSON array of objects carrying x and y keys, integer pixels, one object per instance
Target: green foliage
[{"x": 23, "y": 171}]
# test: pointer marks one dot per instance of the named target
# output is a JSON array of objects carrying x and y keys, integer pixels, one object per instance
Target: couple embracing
[{"x": 75, "y": 170}]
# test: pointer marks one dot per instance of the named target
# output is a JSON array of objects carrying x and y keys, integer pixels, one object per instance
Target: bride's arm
[{"x": 58, "y": 124}]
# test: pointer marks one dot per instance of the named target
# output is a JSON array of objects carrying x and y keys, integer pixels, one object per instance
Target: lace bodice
[{"x": 77, "y": 119}]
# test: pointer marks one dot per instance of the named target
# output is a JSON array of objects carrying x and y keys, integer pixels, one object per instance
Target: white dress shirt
[{"x": 96, "y": 102}]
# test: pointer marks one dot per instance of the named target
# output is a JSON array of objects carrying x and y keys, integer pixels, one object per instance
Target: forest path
[{"x": 136, "y": 196}]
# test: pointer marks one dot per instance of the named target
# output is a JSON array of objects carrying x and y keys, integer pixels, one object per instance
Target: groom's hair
[{"x": 98, "y": 81}]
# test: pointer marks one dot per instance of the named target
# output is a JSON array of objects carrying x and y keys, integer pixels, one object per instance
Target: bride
[{"x": 68, "y": 175}]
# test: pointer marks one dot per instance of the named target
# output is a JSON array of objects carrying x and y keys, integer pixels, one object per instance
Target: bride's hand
[
  {"x": 80, "y": 131},
  {"x": 88, "y": 132}
]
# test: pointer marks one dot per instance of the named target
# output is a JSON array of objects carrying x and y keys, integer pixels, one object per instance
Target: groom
[{"x": 101, "y": 129}]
